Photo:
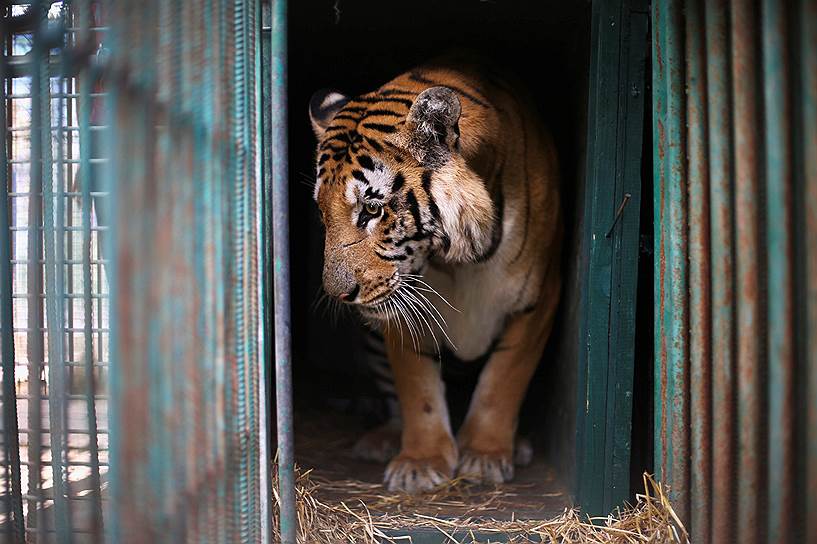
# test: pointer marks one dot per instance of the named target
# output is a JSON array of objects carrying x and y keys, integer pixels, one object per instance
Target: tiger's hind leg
[
  {"x": 381, "y": 443},
  {"x": 486, "y": 438}
]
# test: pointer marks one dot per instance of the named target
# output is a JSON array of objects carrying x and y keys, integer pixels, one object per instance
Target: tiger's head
[{"x": 394, "y": 191}]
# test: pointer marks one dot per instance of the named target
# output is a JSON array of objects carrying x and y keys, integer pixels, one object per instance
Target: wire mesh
[
  {"x": 130, "y": 284},
  {"x": 56, "y": 321}
]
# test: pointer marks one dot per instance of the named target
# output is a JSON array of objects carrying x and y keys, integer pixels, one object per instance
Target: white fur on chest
[
  {"x": 482, "y": 303},
  {"x": 484, "y": 295}
]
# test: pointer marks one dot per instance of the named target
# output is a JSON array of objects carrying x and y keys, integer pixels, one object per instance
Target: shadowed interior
[{"x": 354, "y": 47}]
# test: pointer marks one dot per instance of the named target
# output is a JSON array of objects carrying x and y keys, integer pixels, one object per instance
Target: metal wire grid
[
  {"x": 169, "y": 290},
  {"x": 57, "y": 279}
]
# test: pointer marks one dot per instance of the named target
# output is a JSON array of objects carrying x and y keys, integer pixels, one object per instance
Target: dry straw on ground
[{"x": 367, "y": 514}]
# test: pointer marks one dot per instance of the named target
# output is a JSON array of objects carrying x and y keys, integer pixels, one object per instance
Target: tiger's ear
[
  {"x": 432, "y": 126},
  {"x": 323, "y": 107}
]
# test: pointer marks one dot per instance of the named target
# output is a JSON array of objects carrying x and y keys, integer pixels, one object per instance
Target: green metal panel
[
  {"x": 186, "y": 251},
  {"x": 780, "y": 258},
  {"x": 670, "y": 201},
  {"x": 743, "y": 153},
  {"x": 806, "y": 15},
  {"x": 700, "y": 300},
  {"x": 618, "y": 60}
]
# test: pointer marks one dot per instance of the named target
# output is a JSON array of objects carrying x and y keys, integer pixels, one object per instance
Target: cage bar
[
  {"x": 12, "y": 492},
  {"x": 54, "y": 211},
  {"x": 36, "y": 356},
  {"x": 87, "y": 181},
  {"x": 747, "y": 238},
  {"x": 280, "y": 263}
]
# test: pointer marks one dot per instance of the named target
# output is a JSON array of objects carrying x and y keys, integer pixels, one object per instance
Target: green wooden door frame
[{"x": 618, "y": 59}]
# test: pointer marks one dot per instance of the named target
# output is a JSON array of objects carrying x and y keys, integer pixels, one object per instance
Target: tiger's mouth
[
  {"x": 377, "y": 308},
  {"x": 375, "y": 313},
  {"x": 375, "y": 303},
  {"x": 405, "y": 302}
]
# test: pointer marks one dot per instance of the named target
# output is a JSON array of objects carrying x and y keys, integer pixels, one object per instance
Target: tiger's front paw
[
  {"x": 418, "y": 475},
  {"x": 482, "y": 467}
]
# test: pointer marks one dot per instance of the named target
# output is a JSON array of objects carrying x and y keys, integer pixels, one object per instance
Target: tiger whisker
[
  {"x": 418, "y": 332},
  {"x": 428, "y": 306},
  {"x": 414, "y": 303},
  {"x": 307, "y": 182},
  {"x": 422, "y": 310},
  {"x": 391, "y": 309},
  {"x": 413, "y": 306},
  {"x": 438, "y": 319},
  {"x": 399, "y": 318},
  {"x": 418, "y": 292},
  {"x": 412, "y": 327},
  {"x": 320, "y": 294},
  {"x": 419, "y": 280},
  {"x": 335, "y": 311}
]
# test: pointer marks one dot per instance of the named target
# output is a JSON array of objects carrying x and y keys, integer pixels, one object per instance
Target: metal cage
[
  {"x": 131, "y": 273},
  {"x": 144, "y": 226},
  {"x": 55, "y": 296}
]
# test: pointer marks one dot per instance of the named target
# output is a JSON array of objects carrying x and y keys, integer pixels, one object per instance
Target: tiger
[{"x": 439, "y": 196}]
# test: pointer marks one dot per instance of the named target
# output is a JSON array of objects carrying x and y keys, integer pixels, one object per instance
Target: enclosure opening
[{"x": 355, "y": 47}]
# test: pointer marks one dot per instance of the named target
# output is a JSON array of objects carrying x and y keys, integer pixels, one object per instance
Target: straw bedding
[{"x": 366, "y": 513}]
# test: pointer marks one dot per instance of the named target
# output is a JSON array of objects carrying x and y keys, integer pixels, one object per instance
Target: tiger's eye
[{"x": 373, "y": 208}]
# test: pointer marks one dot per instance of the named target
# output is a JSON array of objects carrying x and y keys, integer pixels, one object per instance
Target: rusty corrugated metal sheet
[
  {"x": 807, "y": 17},
  {"x": 700, "y": 316},
  {"x": 749, "y": 151},
  {"x": 188, "y": 403},
  {"x": 780, "y": 248},
  {"x": 670, "y": 204},
  {"x": 748, "y": 266},
  {"x": 723, "y": 265}
]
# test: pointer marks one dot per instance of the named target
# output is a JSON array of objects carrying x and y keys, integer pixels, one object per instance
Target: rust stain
[
  {"x": 662, "y": 266},
  {"x": 700, "y": 282},
  {"x": 747, "y": 219}
]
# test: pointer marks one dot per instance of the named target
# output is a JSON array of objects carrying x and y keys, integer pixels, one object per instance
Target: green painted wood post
[{"x": 610, "y": 253}]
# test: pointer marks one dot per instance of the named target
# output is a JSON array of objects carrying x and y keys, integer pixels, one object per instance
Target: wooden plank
[
  {"x": 625, "y": 239},
  {"x": 610, "y": 253},
  {"x": 592, "y": 364}
]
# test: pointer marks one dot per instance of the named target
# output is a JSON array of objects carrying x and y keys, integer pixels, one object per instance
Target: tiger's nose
[
  {"x": 351, "y": 295},
  {"x": 339, "y": 279}
]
